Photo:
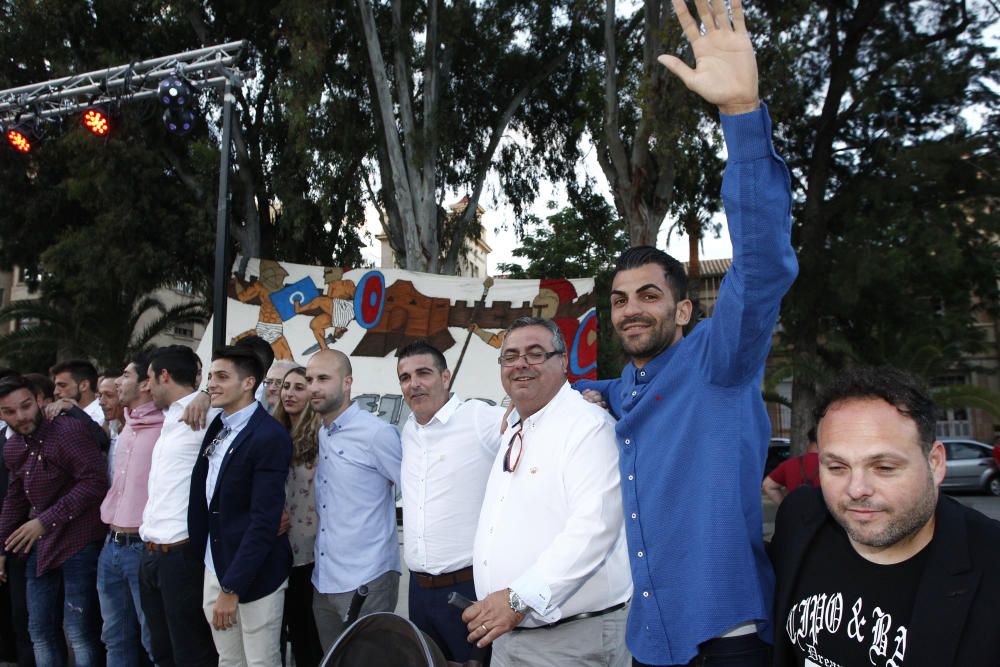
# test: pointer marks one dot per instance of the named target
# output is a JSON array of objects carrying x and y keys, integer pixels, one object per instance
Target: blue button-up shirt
[
  {"x": 356, "y": 474},
  {"x": 693, "y": 430}
]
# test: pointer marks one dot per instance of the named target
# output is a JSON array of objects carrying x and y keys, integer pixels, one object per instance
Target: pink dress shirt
[{"x": 133, "y": 454}]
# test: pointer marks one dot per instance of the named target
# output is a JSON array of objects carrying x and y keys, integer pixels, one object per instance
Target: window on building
[
  {"x": 185, "y": 330},
  {"x": 953, "y": 422}
]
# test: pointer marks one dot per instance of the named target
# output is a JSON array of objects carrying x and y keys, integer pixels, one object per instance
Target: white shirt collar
[{"x": 444, "y": 413}]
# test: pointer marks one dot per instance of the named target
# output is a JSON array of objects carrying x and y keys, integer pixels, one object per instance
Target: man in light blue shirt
[{"x": 357, "y": 471}]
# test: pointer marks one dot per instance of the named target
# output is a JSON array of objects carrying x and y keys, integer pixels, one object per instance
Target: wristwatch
[
  {"x": 227, "y": 591},
  {"x": 517, "y": 605}
]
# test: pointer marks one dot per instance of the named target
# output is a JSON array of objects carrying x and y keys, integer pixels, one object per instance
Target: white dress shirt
[
  {"x": 446, "y": 463},
  {"x": 235, "y": 422},
  {"x": 552, "y": 531},
  {"x": 164, "y": 521},
  {"x": 95, "y": 411}
]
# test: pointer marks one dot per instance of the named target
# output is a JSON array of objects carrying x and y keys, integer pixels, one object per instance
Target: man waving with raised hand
[{"x": 692, "y": 428}]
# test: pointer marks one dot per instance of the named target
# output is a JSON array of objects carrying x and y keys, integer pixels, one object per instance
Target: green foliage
[
  {"x": 56, "y": 328},
  {"x": 584, "y": 240},
  {"x": 895, "y": 221}
]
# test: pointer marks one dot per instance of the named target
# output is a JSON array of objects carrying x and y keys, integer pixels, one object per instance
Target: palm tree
[{"x": 49, "y": 329}]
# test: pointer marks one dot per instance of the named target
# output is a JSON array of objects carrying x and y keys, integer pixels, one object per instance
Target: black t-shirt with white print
[{"x": 850, "y": 612}]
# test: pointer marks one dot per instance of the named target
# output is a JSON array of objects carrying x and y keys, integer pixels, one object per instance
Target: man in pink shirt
[{"x": 125, "y": 633}]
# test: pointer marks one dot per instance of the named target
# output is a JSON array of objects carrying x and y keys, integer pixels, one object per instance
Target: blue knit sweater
[{"x": 693, "y": 431}]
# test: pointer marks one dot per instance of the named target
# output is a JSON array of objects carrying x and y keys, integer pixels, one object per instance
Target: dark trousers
[
  {"x": 742, "y": 651},
  {"x": 170, "y": 591},
  {"x": 298, "y": 623},
  {"x": 430, "y": 611},
  {"x": 17, "y": 583}
]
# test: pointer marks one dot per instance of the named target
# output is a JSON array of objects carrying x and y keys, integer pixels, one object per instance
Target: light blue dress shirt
[
  {"x": 235, "y": 423},
  {"x": 356, "y": 473}
]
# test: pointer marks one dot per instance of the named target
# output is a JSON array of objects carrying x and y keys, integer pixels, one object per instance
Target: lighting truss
[
  {"x": 210, "y": 67},
  {"x": 206, "y": 68}
]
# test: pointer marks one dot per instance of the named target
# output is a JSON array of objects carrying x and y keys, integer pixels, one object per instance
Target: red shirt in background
[{"x": 790, "y": 473}]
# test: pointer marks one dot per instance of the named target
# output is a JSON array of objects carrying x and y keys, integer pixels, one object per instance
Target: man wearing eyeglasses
[
  {"x": 449, "y": 446},
  {"x": 549, "y": 558},
  {"x": 237, "y": 497},
  {"x": 272, "y": 383},
  {"x": 692, "y": 427}
]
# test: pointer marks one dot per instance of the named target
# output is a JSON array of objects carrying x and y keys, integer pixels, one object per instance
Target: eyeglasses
[
  {"x": 514, "y": 449},
  {"x": 530, "y": 358},
  {"x": 222, "y": 435}
]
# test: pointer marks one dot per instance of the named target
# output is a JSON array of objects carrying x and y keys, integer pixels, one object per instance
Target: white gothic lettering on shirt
[{"x": 824, "y": 613}]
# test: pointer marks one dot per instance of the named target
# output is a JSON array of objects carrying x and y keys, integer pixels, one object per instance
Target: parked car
[
  {"x": 970, "y": 466},
  {"x": 779, "y": 450}
]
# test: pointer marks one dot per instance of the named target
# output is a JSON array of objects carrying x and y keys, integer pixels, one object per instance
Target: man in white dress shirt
[
  {"x": 76, "y": 381},
  {"x": 550, "y": 560},
  {"x": 171, "y": 574},
  {"x": 448, "y": 449}
]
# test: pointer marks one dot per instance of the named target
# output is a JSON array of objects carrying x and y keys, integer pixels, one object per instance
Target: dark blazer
[
  {"x": 956, "y": 614},
  {"x": 249, "y": 556}
]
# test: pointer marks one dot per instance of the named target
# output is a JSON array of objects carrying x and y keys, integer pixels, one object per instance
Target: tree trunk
[
  {"x": 693, "y": 229},
  {"x": 642, "y": 187},
  {"x": 804, "y": 394}
]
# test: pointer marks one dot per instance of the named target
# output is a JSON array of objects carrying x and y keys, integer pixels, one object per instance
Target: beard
[
  {"x": 653, "y": 340},
  {"x": 330, "y": 404},
  {"x": 27, "y": 427},
  {"x": 901, "y": 525}
]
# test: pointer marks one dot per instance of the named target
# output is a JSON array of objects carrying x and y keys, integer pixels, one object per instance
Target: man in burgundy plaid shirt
[{"x": 52, "y": 514}]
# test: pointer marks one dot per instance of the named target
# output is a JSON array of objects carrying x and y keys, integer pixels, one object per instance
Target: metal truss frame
[{"x": 207, "y": 68}]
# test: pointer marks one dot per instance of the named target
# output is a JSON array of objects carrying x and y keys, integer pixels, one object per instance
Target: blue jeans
[
  {"x": 77, "y": 577},
  {"x": 125, "y": 632}
]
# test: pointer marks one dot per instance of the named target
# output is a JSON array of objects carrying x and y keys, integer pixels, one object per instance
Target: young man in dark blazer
[
  {"x": 237, "y": 496},
  {"x": 876, "y": 567}
]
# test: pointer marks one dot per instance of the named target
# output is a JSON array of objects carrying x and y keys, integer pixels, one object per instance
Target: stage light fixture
[
  {"x": 19, "y": 139},
  {"x": 97, "y": 120},
  {"x": 22, "y": 135},
  {"x": 174, "y": 91},
  {"x": 178, "y": 121}
]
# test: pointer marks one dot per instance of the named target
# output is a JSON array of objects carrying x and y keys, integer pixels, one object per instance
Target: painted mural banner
[{"x": 368, "y": 314}]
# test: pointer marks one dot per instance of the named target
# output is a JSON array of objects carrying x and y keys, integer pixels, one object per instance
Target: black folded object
[{"x": 385, "y": 640}]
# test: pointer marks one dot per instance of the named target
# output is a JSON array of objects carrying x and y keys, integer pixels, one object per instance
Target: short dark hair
[
  {"x": 902, "y": 390},
  {"x": 418, "y": 347},
  {"x": 12, "y": 383},
  {"x": 110, "y": 373},
  {"x": 140, "y": 360},
  {"x": 80, "y": 369},
  {"x": 260, "y": 347},
  {"x": 6, "y": 372},
  {"x": 673, "y": 271},
  {"x": 558, "y": 342},
  {"x": 811, "y": 434},
  {"x": 178, "y": 360},
  {"x": 246, "y": 361},
  {"x": 43, "y": 384}
]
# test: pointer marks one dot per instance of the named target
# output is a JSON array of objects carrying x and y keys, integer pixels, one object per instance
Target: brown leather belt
[
  {"x": 164, "y": 548},
  {"x": 442, "y": 580}
]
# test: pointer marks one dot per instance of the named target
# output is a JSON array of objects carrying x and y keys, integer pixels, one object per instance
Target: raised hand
[{"x": 725, "y": 72}]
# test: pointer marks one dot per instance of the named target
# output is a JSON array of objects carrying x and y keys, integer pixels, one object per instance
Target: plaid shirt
[{"x": 58, "y": 476}]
